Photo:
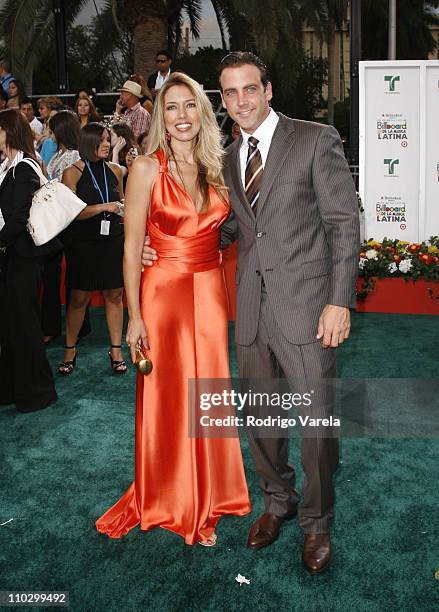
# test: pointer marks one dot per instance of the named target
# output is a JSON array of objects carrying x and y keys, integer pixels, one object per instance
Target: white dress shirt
[
  {"x": 264, "y": 134},
  {"x": 161, "y": 79}
]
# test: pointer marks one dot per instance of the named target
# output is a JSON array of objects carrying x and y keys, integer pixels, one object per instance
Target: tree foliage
[
  {"x": 99, "y": 55},
  {"x": 276, "y": 34},
  {"x": 202, "y": 65},
  {"x": 26, "y": 26},
  {"x": 414, "y": 39}
]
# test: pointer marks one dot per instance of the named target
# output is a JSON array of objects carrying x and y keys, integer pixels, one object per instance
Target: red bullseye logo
[
  {"x": 403, "y": 226},
  {"x": 404, "y": 143}
]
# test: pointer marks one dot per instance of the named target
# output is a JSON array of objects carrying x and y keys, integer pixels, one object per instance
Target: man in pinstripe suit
[{"x": 298, "y": 239}]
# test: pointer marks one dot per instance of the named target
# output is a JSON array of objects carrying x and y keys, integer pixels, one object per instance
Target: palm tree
[
  {"x": 148, "y": 20},
  {"x": 277, "y": 34},
  {"x": 414, "y": 38},
  {"x": 326, "y": 17},
  {"x": 26, "y": 25},
  {"x": 157, "y": 24},
  {"x": 413, "y": 35},
  {"x": 335, "y": 15},
  {"x": 235, "y": 22}
]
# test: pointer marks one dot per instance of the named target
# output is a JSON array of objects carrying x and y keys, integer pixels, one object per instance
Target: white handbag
[{"x": 54, "y": 207}]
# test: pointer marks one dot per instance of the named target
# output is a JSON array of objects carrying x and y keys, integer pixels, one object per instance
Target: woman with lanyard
[{"x": 95, "y": 244}]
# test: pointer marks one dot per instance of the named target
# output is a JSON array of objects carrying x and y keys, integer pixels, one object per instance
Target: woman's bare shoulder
[
  {"x": 146, "y": 165},
  {"x": 75, "y": 170},
  {"x": 78, "y": 165},
  {"x": 148, "y": 161},
  {"x": 116, "y": 169}
]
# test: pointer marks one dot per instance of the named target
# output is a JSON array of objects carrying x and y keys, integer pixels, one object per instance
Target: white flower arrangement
[
  {"x": 372, "y": 254},
  {"x": 405, "y": 265}
]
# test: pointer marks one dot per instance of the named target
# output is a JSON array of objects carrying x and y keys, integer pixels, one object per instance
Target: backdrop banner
[
  {"x": 399, "y": 149},
  {"x": 430, "y": 219}
]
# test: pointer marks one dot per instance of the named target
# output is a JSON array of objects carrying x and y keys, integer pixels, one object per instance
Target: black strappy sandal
[
  {"x": 65, "y": 368},
  {"x": 115, "y": 365}
]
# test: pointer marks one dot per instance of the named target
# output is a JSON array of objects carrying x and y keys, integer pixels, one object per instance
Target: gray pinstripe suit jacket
[{"x": 304, "y": 240}]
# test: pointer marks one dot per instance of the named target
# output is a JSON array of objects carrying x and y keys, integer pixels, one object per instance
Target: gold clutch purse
[{"x": 143, "y": 362}]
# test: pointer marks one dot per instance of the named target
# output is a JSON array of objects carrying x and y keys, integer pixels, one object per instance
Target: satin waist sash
[{"x": 186, "y": 253}]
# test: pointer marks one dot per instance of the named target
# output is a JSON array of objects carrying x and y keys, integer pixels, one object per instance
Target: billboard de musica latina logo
[
  {"x": 391, "y": 209},
  {"x": 391, "y": 163},
  {"x": 392, "y": 79},
  {"x": 392, "y": 127}
]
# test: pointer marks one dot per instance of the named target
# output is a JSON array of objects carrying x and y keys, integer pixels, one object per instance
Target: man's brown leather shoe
[
  {"x": 316, "y": 552},
  {"x": 264, "y": 531}
]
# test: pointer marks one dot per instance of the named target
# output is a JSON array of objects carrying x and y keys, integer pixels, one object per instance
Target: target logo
[
  {"x": 404, "y": 143},
  {"x": 403, "y": 226}
]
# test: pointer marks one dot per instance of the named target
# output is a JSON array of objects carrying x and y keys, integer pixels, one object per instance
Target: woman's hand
[
  {"x": 136, "y": 334},
  {"x": 113, "y": 207},
  {"x": 120, "y": 143}
]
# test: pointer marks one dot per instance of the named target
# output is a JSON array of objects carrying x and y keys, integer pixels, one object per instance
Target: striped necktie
[{"x": 253, "y": 173}]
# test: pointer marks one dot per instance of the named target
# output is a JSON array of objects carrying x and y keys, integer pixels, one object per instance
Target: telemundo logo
[
  {"x": 391, "y": 163},
  {"x": 392, "y": 79}
]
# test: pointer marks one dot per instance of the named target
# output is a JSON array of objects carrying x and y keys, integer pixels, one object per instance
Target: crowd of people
[
  {"x": 295, "y": 218},
  {"x": 93, "y": 156}
]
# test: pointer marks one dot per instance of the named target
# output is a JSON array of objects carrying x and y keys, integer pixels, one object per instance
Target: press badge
[{"x": 105, "y": 227}]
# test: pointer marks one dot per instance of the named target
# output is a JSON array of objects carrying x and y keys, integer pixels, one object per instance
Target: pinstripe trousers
[{"x": 271, "y": 356}]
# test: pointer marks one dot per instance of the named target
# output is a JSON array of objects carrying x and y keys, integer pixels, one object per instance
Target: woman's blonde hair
[
  {"x": 208, "y": 152},
  {"x": 49, "y": 102}
]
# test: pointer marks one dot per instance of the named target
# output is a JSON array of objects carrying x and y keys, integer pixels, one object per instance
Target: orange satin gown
[{"x": 183, "y": 484}]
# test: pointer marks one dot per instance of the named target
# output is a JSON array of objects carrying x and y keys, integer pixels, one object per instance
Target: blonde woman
[
  {"x": 45, "y": 107},
  {"x": 182, "y": 483}
]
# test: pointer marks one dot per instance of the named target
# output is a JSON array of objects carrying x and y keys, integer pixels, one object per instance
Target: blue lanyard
[{"x": 96, "y": 184}]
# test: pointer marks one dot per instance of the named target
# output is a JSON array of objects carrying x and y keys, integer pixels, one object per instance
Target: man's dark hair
[
  {"x": 90, "y": 140},
  {"x": 168, "y": 55},
  {"x": 241, "y": 58},
  {"x": 27, "y": 100},
  {"x": 5, "y": 63},
  {"x": 66, "y": 128}
]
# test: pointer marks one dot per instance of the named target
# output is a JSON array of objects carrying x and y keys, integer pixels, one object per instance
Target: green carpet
[{"x": 62, "y": 467}]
